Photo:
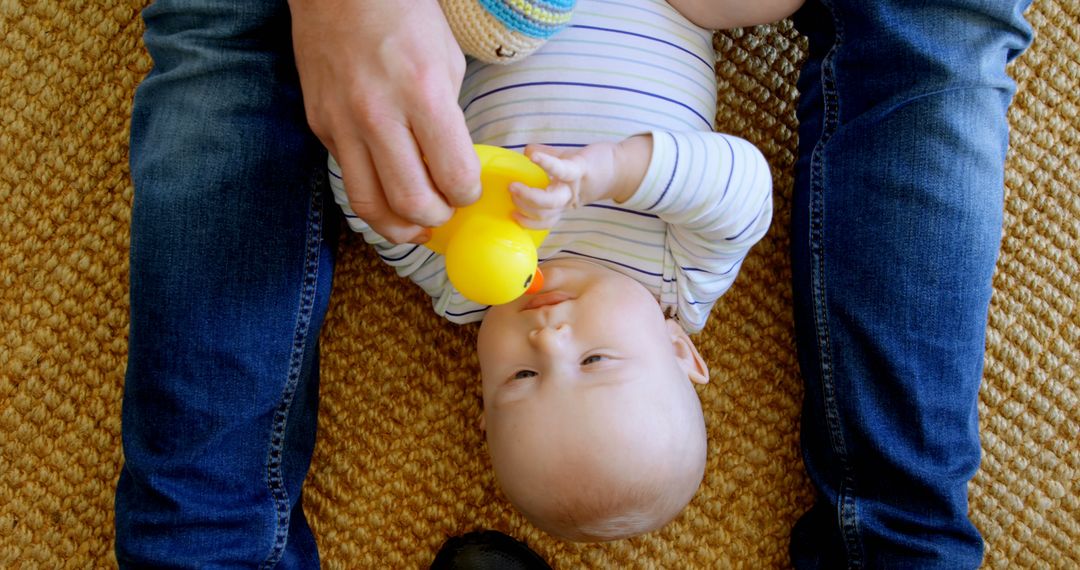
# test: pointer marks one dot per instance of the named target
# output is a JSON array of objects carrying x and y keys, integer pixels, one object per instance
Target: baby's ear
[{"x": 689, "y": 358}]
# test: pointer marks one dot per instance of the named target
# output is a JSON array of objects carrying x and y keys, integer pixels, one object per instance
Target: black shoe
[{"x": 486, "y": 550}]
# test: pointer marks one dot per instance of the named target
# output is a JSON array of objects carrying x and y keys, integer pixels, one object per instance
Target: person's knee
[{"x": 957, "y": 43}]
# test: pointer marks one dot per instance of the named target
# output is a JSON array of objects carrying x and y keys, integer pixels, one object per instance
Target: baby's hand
[
  {"x": 541, "y": 208},
  {"x": 599, "y": 171},
  {"x": 578, "y": 177}
]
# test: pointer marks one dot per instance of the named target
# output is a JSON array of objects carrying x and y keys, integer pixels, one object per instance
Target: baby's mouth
[{"x": 546, "y": 299}]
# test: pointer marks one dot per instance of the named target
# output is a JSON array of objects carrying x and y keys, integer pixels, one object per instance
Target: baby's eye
[
  {"x": 593, "y": 359},
  {"x": 523, "y": 374}
]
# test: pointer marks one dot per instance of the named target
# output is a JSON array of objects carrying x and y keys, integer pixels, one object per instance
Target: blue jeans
[
  {"x": 895, "y": 232},
  {"x": 231, "y": 264}
]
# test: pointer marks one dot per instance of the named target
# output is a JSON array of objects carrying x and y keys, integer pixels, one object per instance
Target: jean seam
[
  {"x": 275, "y": 480},
  {"x": 847, "y": 513}
]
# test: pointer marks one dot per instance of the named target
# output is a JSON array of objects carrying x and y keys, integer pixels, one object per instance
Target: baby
[
  {"x": 594, "y": 427},
  {"x": 593, "y": 422}
]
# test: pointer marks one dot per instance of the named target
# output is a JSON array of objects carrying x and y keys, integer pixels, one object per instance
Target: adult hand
[{"x": 380, "y": 81}]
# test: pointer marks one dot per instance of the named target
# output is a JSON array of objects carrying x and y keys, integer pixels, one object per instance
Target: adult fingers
[
  {"x": 443, "y": 139},
  {"x": 367, "y": 198},
  {"x": 401, "y": 171}
]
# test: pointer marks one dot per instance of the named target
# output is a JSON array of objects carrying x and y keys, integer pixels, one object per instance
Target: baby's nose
[{"x": 549, "y": 338}]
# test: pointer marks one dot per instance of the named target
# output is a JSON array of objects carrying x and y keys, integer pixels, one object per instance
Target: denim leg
[
  {"x": 895, "y": 233},
  {"x": 231, "y": 265}
]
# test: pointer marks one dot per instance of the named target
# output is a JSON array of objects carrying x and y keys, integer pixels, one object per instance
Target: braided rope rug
[{"x": 400, "y": 463}]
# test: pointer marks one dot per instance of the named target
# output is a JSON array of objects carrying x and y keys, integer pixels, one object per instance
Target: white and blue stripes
[
  {"x": 622, "y": 67},
  {"x": 714, "y": 194}
]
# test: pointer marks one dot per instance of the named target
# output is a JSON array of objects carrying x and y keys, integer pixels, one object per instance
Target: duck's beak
[{"x": 536, "y": 284}]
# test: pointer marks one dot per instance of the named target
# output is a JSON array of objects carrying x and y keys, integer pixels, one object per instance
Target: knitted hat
[{"x": 502, "y": 31}]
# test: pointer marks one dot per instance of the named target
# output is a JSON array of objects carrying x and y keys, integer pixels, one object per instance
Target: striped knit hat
[{"x": 502, "y": 31}]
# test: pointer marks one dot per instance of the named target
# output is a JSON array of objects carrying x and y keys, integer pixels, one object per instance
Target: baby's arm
[
  {"x": 715, "y": 193},
  {"x": 727, "y": 14},
  {"x": 713, "y": 190}
]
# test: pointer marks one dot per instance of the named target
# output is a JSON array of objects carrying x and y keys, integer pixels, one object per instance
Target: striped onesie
[{"x": 622, "y": 67}]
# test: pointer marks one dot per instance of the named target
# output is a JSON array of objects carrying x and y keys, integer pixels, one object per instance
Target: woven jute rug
[{"x": 400, "y": 463}]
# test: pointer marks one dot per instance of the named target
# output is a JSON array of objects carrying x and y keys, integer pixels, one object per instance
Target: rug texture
[{"x": 400, "y": 464}]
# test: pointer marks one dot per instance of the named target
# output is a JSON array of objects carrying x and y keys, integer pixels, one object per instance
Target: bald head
[{"x": 613, "y": 464}]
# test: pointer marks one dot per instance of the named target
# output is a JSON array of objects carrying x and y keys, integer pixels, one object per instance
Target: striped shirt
[{"x": 622, "y": 67}]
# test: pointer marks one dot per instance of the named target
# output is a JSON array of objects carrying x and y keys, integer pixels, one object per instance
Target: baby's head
[{"x": 593, "y": 424}]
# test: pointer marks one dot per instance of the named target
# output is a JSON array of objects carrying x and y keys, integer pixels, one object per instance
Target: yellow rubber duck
[{"x": 490, "y": 258}]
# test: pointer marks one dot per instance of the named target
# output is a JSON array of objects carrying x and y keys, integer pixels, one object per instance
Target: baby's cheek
[{"x": 496, "y": 342}]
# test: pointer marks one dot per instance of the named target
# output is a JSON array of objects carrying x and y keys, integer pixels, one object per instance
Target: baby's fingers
[
  {"x": 540, "y": 221},
  {"x": 528, "y": 199},
  {"x": 539, "y": 209},
  {"x": 557, "y": 168}
]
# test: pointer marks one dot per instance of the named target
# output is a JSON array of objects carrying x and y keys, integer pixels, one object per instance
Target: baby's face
[
  {"x": 587, "y": 381},
  {"x": 589, "y": 328}
]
